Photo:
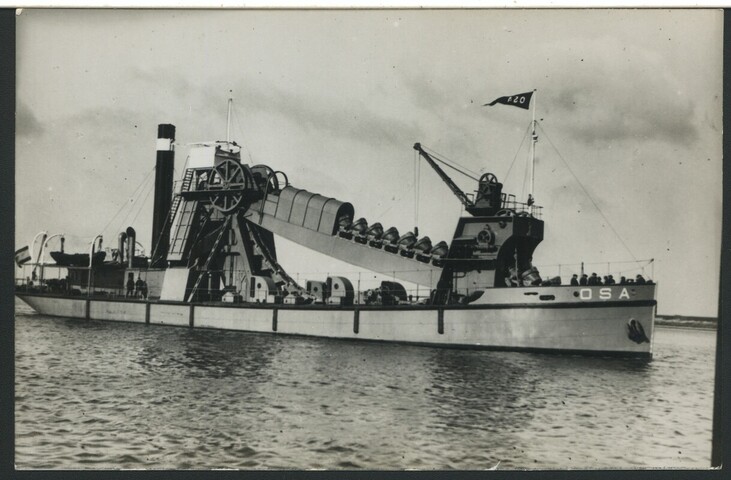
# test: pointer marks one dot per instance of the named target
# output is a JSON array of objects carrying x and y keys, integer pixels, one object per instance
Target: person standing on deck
[
  {"x": 138, "y": 287},
  {"x": 130, "y": 284}
]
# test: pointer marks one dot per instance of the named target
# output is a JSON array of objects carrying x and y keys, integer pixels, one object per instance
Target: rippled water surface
[{"x": 91, "y": 395}]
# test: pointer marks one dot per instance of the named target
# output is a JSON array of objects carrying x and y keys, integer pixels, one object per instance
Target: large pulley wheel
[
  {"x": 228, "y": 183},
  {"x": 486, "y": 183}
]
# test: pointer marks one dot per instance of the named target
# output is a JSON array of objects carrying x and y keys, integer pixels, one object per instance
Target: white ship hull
[{"x": 587, "y": 320}]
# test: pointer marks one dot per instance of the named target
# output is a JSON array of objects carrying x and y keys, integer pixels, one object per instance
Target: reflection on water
[{"x": 111, "y": 395}]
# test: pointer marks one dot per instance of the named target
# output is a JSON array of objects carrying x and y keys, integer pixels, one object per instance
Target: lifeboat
[{"x": 78, "y": 259}]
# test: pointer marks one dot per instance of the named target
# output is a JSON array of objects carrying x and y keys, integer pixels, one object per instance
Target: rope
[
  {"x": 134, "y": 193},
  {"x": 134, "y": 204},
  {"x": 241, "y": 132},
  {"x": 587, "y": 194},
  {"x": 142, "y": 204},
  {"x": 525, "y": 180},
  {"x": 150, "y": 186}
]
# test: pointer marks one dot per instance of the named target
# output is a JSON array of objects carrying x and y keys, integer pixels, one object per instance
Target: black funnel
[{"x": 164, "y": 169}]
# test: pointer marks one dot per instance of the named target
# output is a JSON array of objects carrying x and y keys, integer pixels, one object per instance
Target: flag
[
  {"x": 521, "y": 100},
  {"x": 22, "y": 256}
]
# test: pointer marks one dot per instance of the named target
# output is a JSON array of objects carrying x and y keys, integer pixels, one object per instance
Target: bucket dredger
[
  {"x": 216, "y": 241},
  {"x": 213, "y": 246}
]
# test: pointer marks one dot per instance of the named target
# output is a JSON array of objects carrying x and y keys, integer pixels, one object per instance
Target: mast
[
  {"x": 534, "y": 140},
  {"x": 228, "y": 121}
]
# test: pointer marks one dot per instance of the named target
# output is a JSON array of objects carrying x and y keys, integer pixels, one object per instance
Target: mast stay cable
[
  {"x": 505, "y": 178},
  {"x": 142, "y": 204},
  {"x": 587, "y": 194},
  {"x": 137, "y": 191}
]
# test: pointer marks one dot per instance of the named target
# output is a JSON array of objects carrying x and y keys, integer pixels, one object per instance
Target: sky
[{"x": 628, "y": 160}]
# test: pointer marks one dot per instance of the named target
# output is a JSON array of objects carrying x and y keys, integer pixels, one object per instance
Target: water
[{"x": 92, "y": 395}]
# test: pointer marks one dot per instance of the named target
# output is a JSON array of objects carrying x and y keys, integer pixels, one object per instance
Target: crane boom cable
[
  {"x": 587, "y": 194},
  {"x": 459, "y": 168},
  {"x": 463, "y": 198}
]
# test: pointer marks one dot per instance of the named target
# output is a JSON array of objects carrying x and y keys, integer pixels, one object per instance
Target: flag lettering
[{"x": 521, "y": 100}]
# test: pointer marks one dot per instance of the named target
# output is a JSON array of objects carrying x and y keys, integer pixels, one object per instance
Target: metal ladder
[
  {"x": 187, "y": 180},
  {"x": 177, "y": 200}
]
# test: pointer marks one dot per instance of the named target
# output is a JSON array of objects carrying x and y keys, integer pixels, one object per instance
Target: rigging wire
[
  {"x": 241, "y": 132},
  {"x": 134, "y": 193},
  {"x": 525, "y": 135},
  {"x": 587, "y": 194},
  {"x": 148, "y": 185},
  {"x": 525, "y": 180},
  {"x": 443, "y": 160},
  {"x": 142, "y": 204}
]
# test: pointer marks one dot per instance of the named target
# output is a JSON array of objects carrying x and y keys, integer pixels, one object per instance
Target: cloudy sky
[{"x": 629, "y": 101}]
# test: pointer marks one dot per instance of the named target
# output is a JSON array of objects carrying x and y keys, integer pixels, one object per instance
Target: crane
[{"x": 488, "y": 199}]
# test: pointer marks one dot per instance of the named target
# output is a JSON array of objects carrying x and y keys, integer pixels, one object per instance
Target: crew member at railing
[
  {"x": 130, "y": 284},
  {"x": 575, "y": 280}
]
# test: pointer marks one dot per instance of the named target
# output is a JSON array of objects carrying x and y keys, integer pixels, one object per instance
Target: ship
[{"x": 213, "y": 264}]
